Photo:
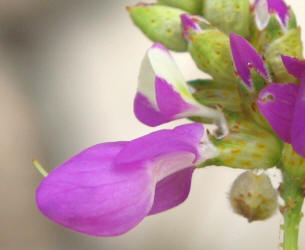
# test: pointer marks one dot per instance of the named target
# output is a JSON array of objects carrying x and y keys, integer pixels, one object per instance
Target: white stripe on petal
[
  {"x": 146, "y": 81},
  {"x": 165, "y": 67},
  {"x": 262, "y": 15},
  {"x": 158, "y": 63}
]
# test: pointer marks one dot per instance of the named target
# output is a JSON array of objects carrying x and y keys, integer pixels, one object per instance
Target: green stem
[
  {"x": 291, "y": 192},
  {"x": 40, "y": 169}
]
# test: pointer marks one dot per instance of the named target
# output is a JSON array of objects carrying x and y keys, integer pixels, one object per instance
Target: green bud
[
  {"x": 253, "y": 196},
  {"x": 191, "y": 6},
  {"x": 290, "y": 44},
  {"x": 211, "y": 52},
  {"x": 274, "y": 30},
  {"x": 293, "y": 164},
  {"x": 248, "y": 146},
  {"x": 228, "y": 16},
  {"x": 214, "y": 94},
  {"x": 161, "y": 24}
]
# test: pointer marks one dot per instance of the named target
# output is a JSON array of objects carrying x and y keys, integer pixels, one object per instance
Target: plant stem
[
  {"x": 291, "y": 192},
  {"x": 40, "y": 169}
]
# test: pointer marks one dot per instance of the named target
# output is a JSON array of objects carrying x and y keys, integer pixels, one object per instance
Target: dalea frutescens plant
[{"x": 255, "y": 97}]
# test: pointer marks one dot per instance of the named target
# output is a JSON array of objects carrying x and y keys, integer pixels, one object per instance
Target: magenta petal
[
  {"x": 172, "y": 190},
  {"x": 277, "y": 102},
  {"x": 189, "y": 24},
  {"x": 191, "y": 133},
  {"x": 169, "y": 101},
  {"x": 279, "y": 7},
  {"x": 162, "y": 94},
  {"x": 298, "y": 125},
  {"x": 246, "y": 57},
  {"x": 185, "y": 138},
  {"x": 294, "y": 66},
  {"x": 87, "y": 194},
  {"x": 161, "y": 47},
  {"x": 146, "y": 112}
]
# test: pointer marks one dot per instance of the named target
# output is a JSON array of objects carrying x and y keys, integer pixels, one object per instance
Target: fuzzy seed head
[{"x": 253, "y": 196}]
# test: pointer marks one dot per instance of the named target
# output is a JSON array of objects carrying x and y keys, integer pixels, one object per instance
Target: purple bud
[{"x": 246, "y": 57}]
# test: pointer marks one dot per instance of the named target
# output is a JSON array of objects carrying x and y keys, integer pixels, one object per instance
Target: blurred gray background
[{"x": 68, "y": 75}]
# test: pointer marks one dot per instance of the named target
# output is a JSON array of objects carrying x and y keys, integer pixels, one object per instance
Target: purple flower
[
  {"x": 163, "y": 95},
  {"x": 245, "y": 58},
  {"x": 107, "y": 189},
  {"x": 264, "y": 8},
  {"x": 283, "y": 105}
]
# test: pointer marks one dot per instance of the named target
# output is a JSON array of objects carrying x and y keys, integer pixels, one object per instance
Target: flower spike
[
  {"x": 245, "y": 57},
  {"x": 163, "y": 95},
  {"x": 264, "y": 8},
  {"x": 107, "y": 189}
]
